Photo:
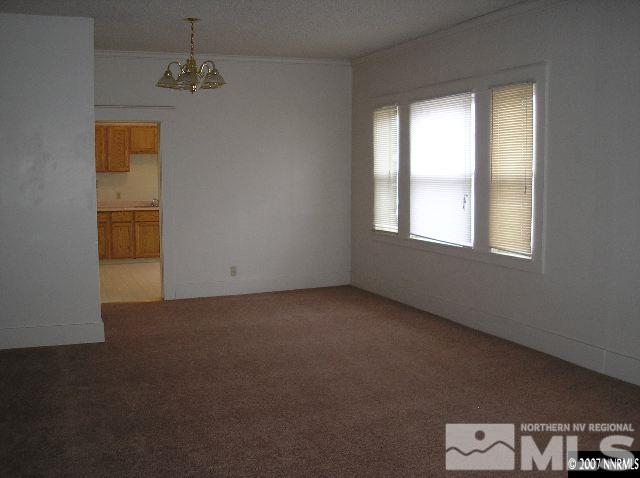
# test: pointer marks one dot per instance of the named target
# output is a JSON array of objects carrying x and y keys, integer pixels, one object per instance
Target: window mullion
[
  {"x": 483, "y": 170},
  {"x": 404, "y": 173}
]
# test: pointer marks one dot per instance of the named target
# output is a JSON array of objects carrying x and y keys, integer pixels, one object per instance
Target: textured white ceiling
[{"x": 304, "y": 28}]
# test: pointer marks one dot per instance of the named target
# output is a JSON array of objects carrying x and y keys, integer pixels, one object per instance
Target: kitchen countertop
[
  {"x": 126, "y": 208},
  {"x": 109, "y": 206}
]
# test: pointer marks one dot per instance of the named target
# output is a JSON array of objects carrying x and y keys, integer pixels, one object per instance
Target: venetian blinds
[
  {"x": 442, "y": 169},
  {"x": 512, "y": 159},
  {"x": 385, "y": 169}
]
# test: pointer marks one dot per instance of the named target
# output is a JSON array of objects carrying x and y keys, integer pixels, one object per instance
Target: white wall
[
  {"x": 140, "y": 183},
  {"x": 585, "y": 307},
  {"x": 48, "y": 245},
  {"x": 254, "y": 175}
]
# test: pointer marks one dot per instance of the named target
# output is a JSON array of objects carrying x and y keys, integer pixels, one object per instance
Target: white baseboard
[
  {"x": 260, "y": 284},
  {"x": 622, "y": 367},
  {"x": 45, "y": 335},
  {"x": 586, "y": 355}
]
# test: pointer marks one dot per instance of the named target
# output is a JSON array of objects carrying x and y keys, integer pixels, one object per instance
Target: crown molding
[
  {"x": 520, "y": 8},
  {"x": 146, "y": 107},
  {"x": 166, "y": 56}
]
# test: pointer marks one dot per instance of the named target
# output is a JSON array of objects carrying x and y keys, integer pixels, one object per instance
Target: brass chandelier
[{"x": 190, "y": 75}]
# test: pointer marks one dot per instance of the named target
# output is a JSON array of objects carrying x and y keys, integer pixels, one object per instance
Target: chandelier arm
[
  {"x": 175, "y": 63},
  {"x": 210, "y": 66}
]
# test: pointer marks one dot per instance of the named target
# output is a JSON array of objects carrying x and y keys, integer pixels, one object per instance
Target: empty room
[{"x": 314, "y": 238}]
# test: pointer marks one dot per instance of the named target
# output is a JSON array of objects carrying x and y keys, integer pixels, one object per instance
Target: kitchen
[{"x": 128, "y": 212}]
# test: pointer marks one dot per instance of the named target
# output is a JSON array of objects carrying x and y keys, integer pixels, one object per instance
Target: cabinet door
[
  {"x": 122, "y": 240},
  {"x": 103, "y": 240},
  {"x": 143, "y": 139},
  {"x": 101, "y": 148},
  {"x": 118, "y": 148},
  {"x": 147, "y": 239}
]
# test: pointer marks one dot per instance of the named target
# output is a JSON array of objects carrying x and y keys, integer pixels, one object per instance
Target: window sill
[{"x": 461, "y": 252}]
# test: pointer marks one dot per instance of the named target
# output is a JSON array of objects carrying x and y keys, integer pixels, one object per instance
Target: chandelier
[{"x": 190, "y": 75}]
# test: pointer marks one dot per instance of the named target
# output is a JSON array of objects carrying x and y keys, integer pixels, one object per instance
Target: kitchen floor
[{"x": 139, "y": 281}]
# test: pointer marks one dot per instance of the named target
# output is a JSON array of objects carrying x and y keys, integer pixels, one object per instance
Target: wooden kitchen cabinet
[
  {"x": 122, "y": 238},
  {"x": 115, "y": 142},
  {"x": 128, "y": 234},
  {"x": 104, "y": 244},
  {"x": 122, "y": 245},
  {"x": 147, "y": 216},
  {"x": 147, "y": 231},
  {"x": 122, "y": 216},
  {"x": 101, "y": 148},
  {"x": 117, "y": 148},
  {"x": 147, "y": 239},
  {"x": 143, "y": 139}
]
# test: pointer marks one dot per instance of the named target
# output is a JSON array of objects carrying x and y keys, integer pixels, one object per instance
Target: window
[
  {"x": 512, "y": 156},
  {"x": 442, "y": 169},
  {"x": 385, "y": 169},
  {"x": 466, "y": 178}
]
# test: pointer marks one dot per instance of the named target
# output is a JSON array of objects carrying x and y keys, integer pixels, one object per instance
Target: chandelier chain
[{"x": 193, "y": 36}]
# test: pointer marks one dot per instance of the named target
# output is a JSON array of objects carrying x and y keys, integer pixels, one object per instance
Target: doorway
[{"x": 128, "y": 192}]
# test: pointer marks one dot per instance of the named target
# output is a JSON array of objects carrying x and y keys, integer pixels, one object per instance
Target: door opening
[{"x": 128, "y": 191}]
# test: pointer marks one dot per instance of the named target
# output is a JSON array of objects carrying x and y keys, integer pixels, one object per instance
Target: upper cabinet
[
  {"x": 101, "y": 148},
  {"x": 116, "y": 141},
  {"x": 143, "y": 139},
  {"x": 117, "y": 148}
]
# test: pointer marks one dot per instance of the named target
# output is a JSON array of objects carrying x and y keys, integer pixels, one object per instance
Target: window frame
[
  {"x": 373, "y": 175},
  {"x": 480, "y": 86}
]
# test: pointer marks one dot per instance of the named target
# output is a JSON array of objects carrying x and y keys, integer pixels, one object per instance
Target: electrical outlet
[{"x": 233, "y": 271}]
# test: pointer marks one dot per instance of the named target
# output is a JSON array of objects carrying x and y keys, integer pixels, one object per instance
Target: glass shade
[
  {"x": 213, "y": 79},
  {"x": 186, "y": 80},
  {"x": 167, "y": 80}
]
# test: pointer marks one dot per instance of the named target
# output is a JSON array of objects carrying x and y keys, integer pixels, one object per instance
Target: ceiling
[{"x": 295, "y": 28}]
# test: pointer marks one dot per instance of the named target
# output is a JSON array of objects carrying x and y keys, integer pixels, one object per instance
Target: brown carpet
[{"x": 323, "y": 382}]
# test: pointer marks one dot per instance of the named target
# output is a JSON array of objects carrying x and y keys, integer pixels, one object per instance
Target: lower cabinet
[
  {"x": 128, "y": 234},
  {"x": 122, "y": 240},
  {"x": 147, "y": 239},
  {"x": 103, "y": 243}
]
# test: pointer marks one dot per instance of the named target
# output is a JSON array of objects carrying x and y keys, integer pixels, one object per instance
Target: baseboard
[
  {"x": 254, "y": 285},
  {"x": 622, "y": 367},
  {"x": 586, "y": 355},
  {"x": 46, "y": 335}
]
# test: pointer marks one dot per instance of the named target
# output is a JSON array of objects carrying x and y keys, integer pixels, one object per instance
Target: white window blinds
[
  {"x": 385, "y": 169},
  {"x": 442, "y": 169},
  {"x": 512, "y": 156}
]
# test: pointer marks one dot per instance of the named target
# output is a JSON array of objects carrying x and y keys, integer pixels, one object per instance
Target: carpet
[{"x": 319, "y": 382}]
